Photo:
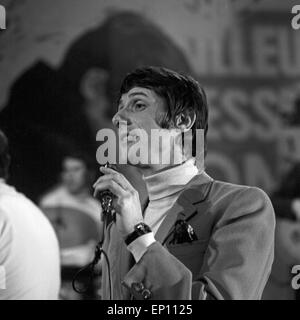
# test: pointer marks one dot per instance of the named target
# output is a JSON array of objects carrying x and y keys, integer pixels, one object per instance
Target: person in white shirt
[{"x": 29, "y": 254}]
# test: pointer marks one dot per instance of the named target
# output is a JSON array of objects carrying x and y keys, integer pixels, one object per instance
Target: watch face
[
  {"x": 139, "y": 230},
  {"x": 140, "y": 226}
]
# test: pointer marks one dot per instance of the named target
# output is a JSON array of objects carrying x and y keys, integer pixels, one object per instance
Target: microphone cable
[{"x": 91, "y": 268}]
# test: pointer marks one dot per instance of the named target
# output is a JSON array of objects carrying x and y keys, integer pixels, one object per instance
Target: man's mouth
[{"x": 129, "y": 137}]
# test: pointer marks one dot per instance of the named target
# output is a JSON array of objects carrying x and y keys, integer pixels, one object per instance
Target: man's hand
[{"x": 127, "y": 202}]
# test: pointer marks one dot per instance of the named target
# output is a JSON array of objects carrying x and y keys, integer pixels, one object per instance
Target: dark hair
[
  {"x": 4, "y": 156},
  {"x": 181, "y": 93},
  {"x": 90, "y": 162}
]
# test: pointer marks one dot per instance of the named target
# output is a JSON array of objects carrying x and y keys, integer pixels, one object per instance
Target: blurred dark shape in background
[
  {"x": 293, "y": 118},
  {"x": 49, "y": 112},
  {"x": 286, "y": 202}
]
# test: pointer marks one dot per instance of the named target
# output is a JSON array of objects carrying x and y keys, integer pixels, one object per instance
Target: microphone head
[{"x": 106, "y": 197}]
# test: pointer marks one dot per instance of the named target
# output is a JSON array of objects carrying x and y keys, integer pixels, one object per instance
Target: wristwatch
[{"x": 139, "y": 230}]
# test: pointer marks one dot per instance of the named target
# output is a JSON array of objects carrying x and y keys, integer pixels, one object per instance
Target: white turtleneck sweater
[{"x": 163, "y": 189}]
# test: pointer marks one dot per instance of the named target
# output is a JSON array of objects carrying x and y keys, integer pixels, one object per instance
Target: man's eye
[{"x": 139, "y": 106}]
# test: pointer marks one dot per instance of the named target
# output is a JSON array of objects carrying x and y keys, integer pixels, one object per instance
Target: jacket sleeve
[
  {"x": 236, "y": 265},
  {"x": 240, "y": 254},
  {"x": 162, "y": 274}
]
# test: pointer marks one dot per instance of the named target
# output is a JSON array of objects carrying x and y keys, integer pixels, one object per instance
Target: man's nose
[
  {"x": 120, "y": 117},
  {"x": 116, "y": 120}
]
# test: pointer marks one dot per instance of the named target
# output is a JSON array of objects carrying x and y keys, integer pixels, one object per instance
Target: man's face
[
  {"x": 74, "y": 174},
  {"x": 140, "y": 108}
]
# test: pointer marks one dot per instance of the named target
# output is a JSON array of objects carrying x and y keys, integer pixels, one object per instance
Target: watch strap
[{"x": 139, "y": 230}]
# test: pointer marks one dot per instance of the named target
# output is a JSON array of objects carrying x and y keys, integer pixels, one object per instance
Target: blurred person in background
[
  {"x": 49, "y": 106},
  {"x": 29, "y": 253},
  {"x": 76, "y": 217}
]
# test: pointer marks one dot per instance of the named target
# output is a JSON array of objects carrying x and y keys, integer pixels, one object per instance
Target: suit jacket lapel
[{"x": 195, "y": 191}]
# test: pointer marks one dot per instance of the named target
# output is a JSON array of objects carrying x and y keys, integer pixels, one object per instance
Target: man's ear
[
  {"x": 185, "y": 121},
  {"x": 93, "y": 83}
]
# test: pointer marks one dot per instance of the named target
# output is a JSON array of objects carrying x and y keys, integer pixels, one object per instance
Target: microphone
[{"x": 106, "y": 198}]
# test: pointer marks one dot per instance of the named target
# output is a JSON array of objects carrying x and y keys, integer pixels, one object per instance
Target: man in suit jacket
[{"x": 196, "y": 238}]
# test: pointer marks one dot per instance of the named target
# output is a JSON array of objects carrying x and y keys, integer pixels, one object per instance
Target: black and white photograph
[{"x": 149, "y": 150}]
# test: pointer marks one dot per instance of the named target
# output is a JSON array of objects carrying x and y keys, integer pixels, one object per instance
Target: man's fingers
[
  {"x": 110, "y": 185},
  {"x": 118, "y": 177},
  {"x": 107, "y": 177},
  {"x": 111, "y": 177}
]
